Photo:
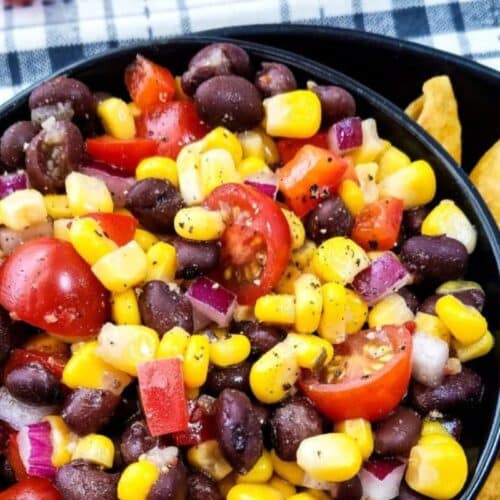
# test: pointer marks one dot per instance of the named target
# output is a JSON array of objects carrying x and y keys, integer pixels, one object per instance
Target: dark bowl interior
[{"x": 105, "y": 72}]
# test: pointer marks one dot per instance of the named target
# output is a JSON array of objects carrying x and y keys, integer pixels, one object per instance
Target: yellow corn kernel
[
  {"x": 189, "y": 173},
  {"x": 137, "y": 480},
  {"x": 125, "y": 308},
  {"x": 284, "y": 487},
  {"x": 126, "y": 346},
  {"x": 229, "y": 350},
  {"x": 125, "y": 267},
  {"x": 339, "y": 259},
  {"x": 261, "y": 472},
  {"x": 145, "y": 239},
  {"x": 317, "y": 494},
  {"x": 332, "y": 325},
  {"x": 366, "y": 174},
  {"x": 217, "y": 168},
  {"x": 414, "y": 184},
  {"x": 297, "y": 230},
  {"x": 86, "y": 369},
  {"x": 116, "y": 118},
  {"x": 356, "y": 312},
  {"x": 289, "y": 471},
  {"x": 432, "y": 325},
  {"x": 22, "y": 209},
  {"x": 457, "y": 286},
  {"x": 303, "y": 496},
  {"x": 196, "y": 360},
  {"x": 308, "y": 303},
  {"x": 330, "y": 457},
  {"x": 312, "y": 352},
  {"x": 295, "y": 114},
  {"x": 43, "y": 342},
  {"x": 352, "y": 196},
  {"x": 123, "y": 211},
  {"x": 57, "y": 206},
  {"x": 372, "y": 144},
  {"x": 302, "y": 257},
  {"x": 430, "y": 427},
  {"x": 286, "y": 284},
  {"x": 258, "y": 144},
  {"x": 207, "y": 458},
  {"x": 391, "y": 161},
  {"x": 222, "y": 138},
  {"x": 391, "y": 310},
  {"x": 162, "y": 262},
  {"x": 437, "y": 467},
  {"x": 472, "y": 351},
  {"x": 274, "y": 373},
  {"x": 87, "y": 194},
  {"x": 251, "y": 166},
  {"x": 61, "y": 438},
  {"x": 134, "y": 109},
  {"x": 179, "y": 91},
  {"x": 96, "y": 449},
  {"x": 361, "y": 431},
  {"x": 448, "y": 219},
  {"x": 243, "y": 313},
  {"x": 199, "y": 224},
  {"x": 277, "y": 309},
  {"x": 61, "y": 229},
  {"x": 248, "y": 491},
  {"x": 89, "y": 240},
  {"x": 158, "y": 167},
  {"x": 465, "y": 323}
]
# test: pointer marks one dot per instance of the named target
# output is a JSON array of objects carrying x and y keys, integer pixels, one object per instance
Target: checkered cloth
[{"x": 36, "y": 40}]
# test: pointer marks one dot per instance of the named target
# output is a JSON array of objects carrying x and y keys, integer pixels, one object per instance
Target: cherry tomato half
[
  {"x": 256, "y": 242},
  {"x": 118, "y": 227},
  {"x": 20, "y": 357},
  {"x": 201, "y": 426},
  {"x": 47, "y": 284},
  {"x": 367, "y": 377},
  {"x": 31, "y": 488},
  {"x": 14, "y": 458}
]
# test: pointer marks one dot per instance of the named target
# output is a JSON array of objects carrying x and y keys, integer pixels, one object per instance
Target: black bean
[
  {"x": 330, "y": 218},
  {"x": 397, "y": 433},
  {"x": 6, "y": 338},
  {"x": 136, "y": 440},
  {"x": 229, "y": 101},
  {"x": 406, "y": 493},
  {"x": 214, "y": 60},
  {"x": 34, "y": 384},
  {"x": 154, "y": 202},
  {"x": 52, "y": 155},
  {"x": 127, "y": 409},
  {"x": 291, "y": 423},
  {"x": 263, "y": 415},
  {"x": 410, "y": 299},
  {"x": 350, "y": 490},
  {"x": 201, "y": 487},
  {"x": 7, "y": 476},
  {"x": 170, "y": 485},
  {"x": 274, "y": 78},
  {"x": 453, "y": 425},
  {"x": 239, "y": 432},
  {"x": 456, "y": 392},
  {"x": 4, "y": 436},
  {"x": 12, "y": 143},
  {"x": 412, "y": 220},
  {"x": 232, "y": 377},
  {"x": 336, "y": 103},
  {"x": 473, "y": 297},
  {"x": 88, "y": 410},
  {"x": 163, "y": 308},
  {"x": 80, "y": 480},
  {"x": 195, "y": 259},
  {"x": 262, "y": 337},
  {"x": 437, "y": 258}
]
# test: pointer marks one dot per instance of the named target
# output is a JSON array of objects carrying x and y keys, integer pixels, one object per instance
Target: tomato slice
[
  {"x": 124, "y": 154},
  {"x": 47, "y": 284},
  {"x": 172, "y": 126},
  {"x": 370, "y": 374},
  {"x": 31, "y": 488},
  {"x": 14, "y": 458},
  {"x": 201, "y": 426},
  {"x": 148, "y": 83},
  {"x": 119, "y": 227},
  {"x": 310, "y": 176},
  {"x": 256, "y": 242},
  {"x": 20, "y": 357},
  {"x": 288, "y": 148},
  {"x": 377, "y": 225}
]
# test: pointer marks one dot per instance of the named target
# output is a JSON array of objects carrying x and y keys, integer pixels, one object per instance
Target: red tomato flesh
[
  {"x": 288, "y": 148},
  {"x": 19, "y": 357},
  {"x": 118, "y": 227},
  {"x": 14, "y": 458},
  {"x": 31, "y": 488},
  {"x": 201, "y": 426}
]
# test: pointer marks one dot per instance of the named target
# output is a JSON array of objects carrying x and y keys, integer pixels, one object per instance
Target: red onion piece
[
  {"x": 10, "y": 240},
  {"x": 265, "y": 183},
  {"x": 200, "y": 321},
  {"x": 12, "y": 182},
  {"x": 212, "y": 300},
  {"x": 381, "y": 478},
  {"x": 345, "y": 135},
  {"x": 384, "y": 276},
  {"x": 35, "y": 449},
  {"x": 429, "y": 358}
]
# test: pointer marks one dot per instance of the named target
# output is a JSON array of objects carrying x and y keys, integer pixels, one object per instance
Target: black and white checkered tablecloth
[{"x": 39, "y": 38}]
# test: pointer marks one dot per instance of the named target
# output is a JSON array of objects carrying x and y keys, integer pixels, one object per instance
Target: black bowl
[{"x": 105, "y": 72}]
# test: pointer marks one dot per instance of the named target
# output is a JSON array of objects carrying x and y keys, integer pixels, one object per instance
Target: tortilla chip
[
  {"x": 436, "y": 111},
  {"x": 486, "y": 177}
]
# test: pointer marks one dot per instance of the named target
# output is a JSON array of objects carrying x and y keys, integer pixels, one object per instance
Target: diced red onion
[
  {"x": 12, "y": 182},
  {"x": 381, "y": 479},
  {"x": 345, "y": 135},
  {"x": 429, "y": 358},
  {"x": 35, "y": 449},
  {"x": 267, "y": 184},
  {"x": 200, "y": 321},
  {"x": 10, "y": 240},
  {"x": 18, "y": 414},
  {"x": 212, "y": 300},
  {"x": 384, "y": 276}
]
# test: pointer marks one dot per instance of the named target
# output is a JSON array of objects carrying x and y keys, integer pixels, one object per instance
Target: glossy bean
[
  {"x": 195, "y": 259},
  {"x": 274, "y": 78},
  {"x": 170, "y": 485},
  {"x": 410, "y": 298},
  {"x": 232, "y": 377},
  {"x": 472, "y": 297},
  {"x": 201, "y": 487},
  {"x": 12, "y": 151},
  {"x": 453, "y": 425},
  {"x": 412, "y": 220},
  {"x": 136, "y": 440},
  {"x": 336, "y": 103},
  {"x": 6, "y": 339},
  {"x": 350, "y": 490},
  {"x": 262, "y": 337}
]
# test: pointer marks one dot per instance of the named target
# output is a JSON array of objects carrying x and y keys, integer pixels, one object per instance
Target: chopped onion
[
  {"x": 12, "y": 182},
  {"x": 265, "y": 183},
  {"x": 60, "y": 111},
  {"x": 381, "y": 478},
  {"x": 200, "y": 321},
  {"x": 429, "y": 358},
  {"x": 317, "y": 484},
  {"x": 384, "y": 276},
  {"x": 35, "y": 449},
  {"x": 18, "y": 414},
  {"x": 163, "y": 456},
  {"x": 345, "y": 135},
  {"x": 212, "y": 300},
  {"x": 10, "y": 240}
]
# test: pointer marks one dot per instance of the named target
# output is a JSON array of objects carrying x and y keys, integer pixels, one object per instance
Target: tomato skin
[
  {"x": 19, "y": 357},
  {"x": 172, "y": 126},
  {"x": 31, "y": 488},
  {"x": 266, "y": 219},
  {"x": 201, "y": 427},
  {"x": 371, "y": 398},
  {"x": 14, "y": 458},
  {"x": 148, "y": 83},
  {"x": 118, "y": 227},
  {"x": 288, "y": 148},
  {"x": 377, "y": 225},
  {"x": 310, "y": 176},
  {"x": 124, "y": 154},
  {"x": 47, "y": 284}
]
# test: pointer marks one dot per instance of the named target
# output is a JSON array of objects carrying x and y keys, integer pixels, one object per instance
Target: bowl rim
[{"x": 376, "y": 100}]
